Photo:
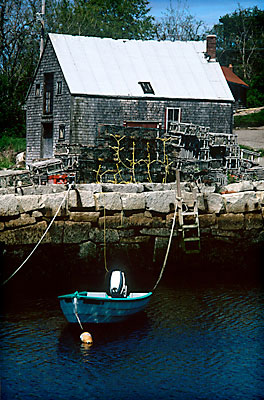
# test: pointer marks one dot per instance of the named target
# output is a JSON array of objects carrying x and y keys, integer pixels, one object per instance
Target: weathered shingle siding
[
  {"x": 89, "y": 113},
  {"x": 61, "y": 106}
]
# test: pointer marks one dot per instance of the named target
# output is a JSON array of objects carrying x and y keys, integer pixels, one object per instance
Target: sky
[{"x": 207, "y": 10}]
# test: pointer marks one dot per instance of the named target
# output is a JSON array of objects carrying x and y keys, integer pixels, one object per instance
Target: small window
[
  {"x": 172, "y": 115},
  {"x": 37, "y": 89},
  {"x": 59, "y": 87},
  {"x": 146, "y": 87},
  {"x": 61, "y": 132}
]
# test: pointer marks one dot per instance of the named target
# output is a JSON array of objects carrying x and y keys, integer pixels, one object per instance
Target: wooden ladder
[{"x": 188, "y": 222}]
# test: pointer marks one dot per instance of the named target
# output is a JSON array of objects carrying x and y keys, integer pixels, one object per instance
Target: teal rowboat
[{"x": 99, "y": 307}]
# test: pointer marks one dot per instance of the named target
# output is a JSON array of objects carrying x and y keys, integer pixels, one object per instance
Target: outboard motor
[{"x": 118, "y": 286}]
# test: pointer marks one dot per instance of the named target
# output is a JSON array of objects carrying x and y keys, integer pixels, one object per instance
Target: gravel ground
[{"x": 251, "y": 137}]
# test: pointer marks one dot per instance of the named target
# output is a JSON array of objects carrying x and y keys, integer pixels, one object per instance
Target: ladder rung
[
  {"x": 189, "y": 213},
  {"x": 193, "y": 239},
  {"x": 190, "y": 226}
]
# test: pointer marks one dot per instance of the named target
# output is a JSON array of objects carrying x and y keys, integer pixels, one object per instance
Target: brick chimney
[{"x": 211, "y": 47}]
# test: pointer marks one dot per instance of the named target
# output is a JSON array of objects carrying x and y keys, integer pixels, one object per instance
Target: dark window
[
  {"x": 61, "y": 132},
  {"x": 48, "y": 94},
  {"x": 37, "y": 89},
  {"x": 146, "y": 87},
  {"x": 59, "y": 87}
]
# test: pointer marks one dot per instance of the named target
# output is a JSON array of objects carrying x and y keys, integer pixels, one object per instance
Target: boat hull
[{"x": 96, "y": 307}]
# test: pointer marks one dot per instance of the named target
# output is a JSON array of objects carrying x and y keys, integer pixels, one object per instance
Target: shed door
[{"x": 47, "y": 140}]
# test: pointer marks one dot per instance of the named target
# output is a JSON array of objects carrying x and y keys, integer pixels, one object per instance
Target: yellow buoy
[{"x": 86, "y": 337}]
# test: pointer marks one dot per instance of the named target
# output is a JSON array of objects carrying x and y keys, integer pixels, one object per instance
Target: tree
[
  {"x": 178, "y": 24},
  {"x": 240, "y": 42},
  {"x": 103, "y": 18},
  {"x": 18, "y": 45},
  {"x": 20, "y": 40}
]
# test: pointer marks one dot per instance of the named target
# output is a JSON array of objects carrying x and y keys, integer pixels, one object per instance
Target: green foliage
[
  {"x": 15, "y": 143},
  {"x": 254, "y": 119},
  {"x": 240, "y": 42},
  {"x": 102, "y": 18},
  {"x": 9, "y": 147}
]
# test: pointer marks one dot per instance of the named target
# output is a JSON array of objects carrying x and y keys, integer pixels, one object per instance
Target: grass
[
  {"x": 260, "y": 151},
  {"x": 250, "y": 120},
  {"x": 9, "y": 148}
]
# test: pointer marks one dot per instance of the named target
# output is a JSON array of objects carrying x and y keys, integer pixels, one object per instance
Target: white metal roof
[{"x": 111, "y": 67}]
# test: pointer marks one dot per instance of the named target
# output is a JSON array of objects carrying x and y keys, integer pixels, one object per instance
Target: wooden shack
[{"x": 82, "y": 83}]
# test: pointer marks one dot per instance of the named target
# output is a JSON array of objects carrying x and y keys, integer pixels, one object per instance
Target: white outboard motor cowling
[{"x": 118, "y": 286}]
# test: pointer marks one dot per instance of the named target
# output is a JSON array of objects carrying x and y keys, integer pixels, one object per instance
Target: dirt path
[{"x": 253, "y": 138}]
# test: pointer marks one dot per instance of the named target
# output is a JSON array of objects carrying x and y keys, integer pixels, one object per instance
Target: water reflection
[{"x": 191, "y": 342}]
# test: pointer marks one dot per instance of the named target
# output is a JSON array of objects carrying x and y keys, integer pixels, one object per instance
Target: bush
[
  {"x": 9, "y": 147},
  {"x": 252, "y": 120}
]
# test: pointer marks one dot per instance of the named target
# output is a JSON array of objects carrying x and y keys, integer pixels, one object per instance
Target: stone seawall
[
  {"x": 127, "y": 224},
  {"x": 128, "y": 215}
]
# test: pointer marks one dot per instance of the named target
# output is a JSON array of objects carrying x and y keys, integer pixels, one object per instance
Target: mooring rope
[
  {"x": 42, "y": 237},
  {"x": 168, "y": 247},
  {"x": 105, "y": 258},
  {"x": 75, "y": 301}
]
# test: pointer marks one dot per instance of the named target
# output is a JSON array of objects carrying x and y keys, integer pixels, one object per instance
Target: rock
[
  {"x": 139, "y": 219},
  {"x": 32, "y": 202},
  {"x": 260, "y": 197},
  {"x": 87, "y": 250},
  {"x": 76, "y": 232},
  {"x": 21, "y": 160},
  {"x": 2, "y": 226},
  {"x": 9, "y": 205},
  {"x": 132, "y": 201},
  {"x": 206, "y": 190},
  {"x": 200, "y": 202},
  {"x": 37, "y": 214},
  {"x": 243, "y": 186},
  {"x": 90, "y": 187},
  {"x": 52, "y": 202},
  {"x": 258, "y": 185},
  {"x": 241, "y": 202},
  {"x": 81, "y": 199},
  {"x": 156, "y": 187},
  {"x": 110, "y": 221},
  {"x": 56, "y": 233},
  {"x": 160, "y": 246},
  {"x": 163, "y": 232},
  {"x": 254, "y": 221},
  {"x": 97, "y": 235},
  {"x": 21, "y": 235},
  {"x": 230, "y": 222},
  {"x": 88, "y": 216},
  {"x": 123, "y": 188},
  {"x": 215, "y": 203},
  {"x": 23, "y": 220},
  {"x": 207, "y": 220},
  {"x": 109, "y": 201},
  {"x": 162, "y": 202},
  {"x": 135, "y": 239}
]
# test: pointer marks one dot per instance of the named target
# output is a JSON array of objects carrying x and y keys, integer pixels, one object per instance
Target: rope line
[
  {"x": 42, "y": 237},
  {"x": 105, "y": 262},
  {"x": 168, "y": 247}
]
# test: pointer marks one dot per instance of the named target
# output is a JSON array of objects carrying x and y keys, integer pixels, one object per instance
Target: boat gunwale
[{"x": 81, "y": 296}]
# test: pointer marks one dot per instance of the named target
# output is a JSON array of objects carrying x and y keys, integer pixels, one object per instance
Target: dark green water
[{"x": 195, "y": 340}]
